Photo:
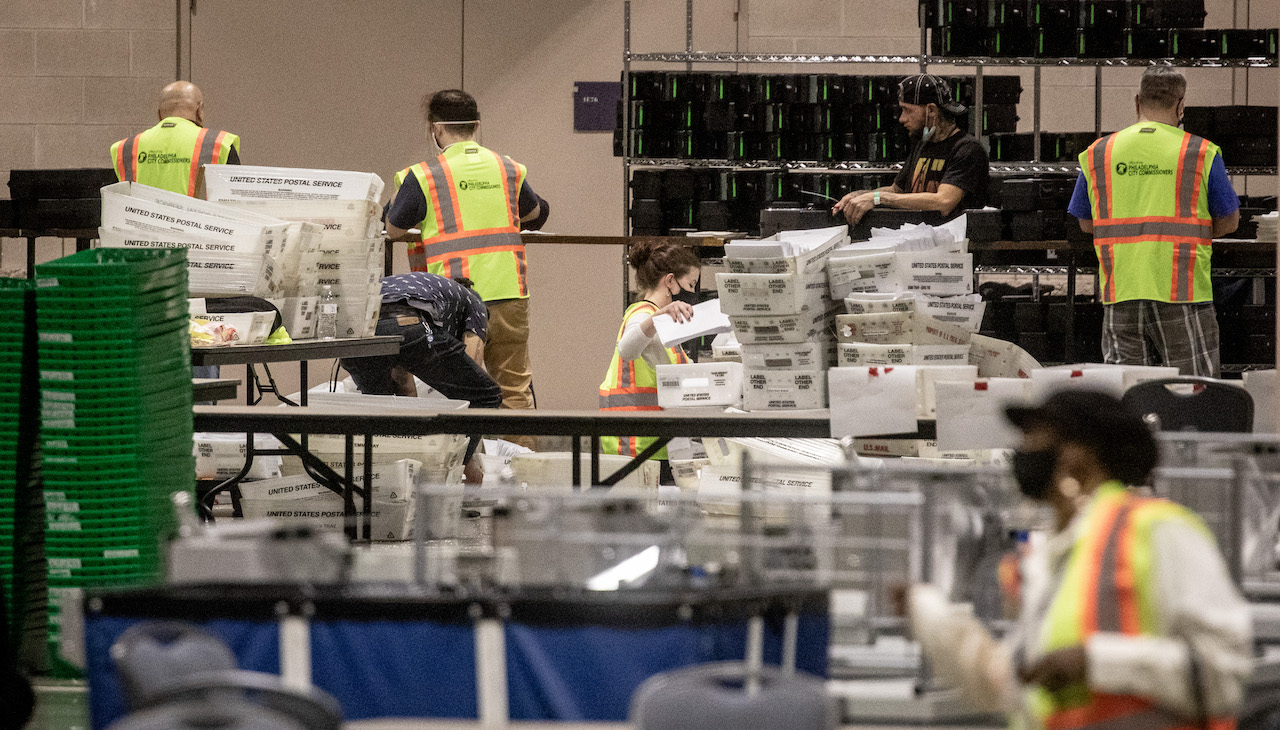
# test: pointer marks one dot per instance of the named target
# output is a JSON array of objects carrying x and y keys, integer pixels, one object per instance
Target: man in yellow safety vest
[
  {"x": 169, "y": 155},
  {"x": 1129, "y": 617},
  {"x": 1154, "y": 198},
  {"x": 469, "y": 205}
]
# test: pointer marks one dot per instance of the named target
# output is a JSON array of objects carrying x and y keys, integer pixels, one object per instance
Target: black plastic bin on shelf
[
  {"x": 60, "y": 214},
  {"x": 1166, "y": 14},
  {"x": 8, "y": 214},
  {"x": 59, "y": 184}
]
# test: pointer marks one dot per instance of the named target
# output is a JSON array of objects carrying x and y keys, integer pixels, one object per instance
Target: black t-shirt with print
[{"x": 958, "y": 160}]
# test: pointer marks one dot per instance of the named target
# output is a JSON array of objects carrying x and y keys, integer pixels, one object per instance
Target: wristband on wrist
[{"x": 876, "y": 198}]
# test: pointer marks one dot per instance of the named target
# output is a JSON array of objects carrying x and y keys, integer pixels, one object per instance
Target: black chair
[
  {"x": 177, "y": 675},
  {"x": 1192, "y": 404},
  {"x": 715, "y": 696}
]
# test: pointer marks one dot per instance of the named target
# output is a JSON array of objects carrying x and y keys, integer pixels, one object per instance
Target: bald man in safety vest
[
  {"x": 169, "y": 155},
  {"x": 1154, "y": 198}
]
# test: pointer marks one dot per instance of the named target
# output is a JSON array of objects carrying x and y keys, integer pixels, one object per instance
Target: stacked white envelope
[
  {"x": 778, "y": 300},
  {"x": 335, "y": 239},
  {"x": 230, "y": 251}
]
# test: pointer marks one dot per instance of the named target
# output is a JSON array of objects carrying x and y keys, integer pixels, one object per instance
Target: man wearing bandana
[{"x": 947, "y": 170}]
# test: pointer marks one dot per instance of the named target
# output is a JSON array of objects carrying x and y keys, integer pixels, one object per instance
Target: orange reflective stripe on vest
[
  {"x": 1111, "y": 603},
  {"x": 1150, "y": 216},
  {"x": 472, "y": 227},
  {"x": 632, "y": 385}
]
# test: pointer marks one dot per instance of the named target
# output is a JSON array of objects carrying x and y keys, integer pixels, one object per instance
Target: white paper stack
[
  {"x": 230, "y": 251},
  {"x": 910, "y": 317},
  {"x": 778, "y": 299},
  {"x": 335, "y": 240}
]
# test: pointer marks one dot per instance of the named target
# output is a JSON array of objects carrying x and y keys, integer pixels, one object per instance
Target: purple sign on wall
[{"x": 595, "y": 105}]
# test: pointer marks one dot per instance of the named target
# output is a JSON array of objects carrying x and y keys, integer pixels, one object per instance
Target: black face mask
[
  {"x": 685, "y": 295},
  {"x": 1034, "y": 471}
]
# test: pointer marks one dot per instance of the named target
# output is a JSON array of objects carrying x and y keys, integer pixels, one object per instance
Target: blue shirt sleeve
[
  {"x": 1223, "y": 200},
  {"x": 477, "y": 314},
  {"x": 410, "y": 205},
  {"x": 1080, "y": 206}
]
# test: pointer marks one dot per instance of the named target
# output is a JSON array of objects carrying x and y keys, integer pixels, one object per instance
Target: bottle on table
[{"x": 327, "y": 321}]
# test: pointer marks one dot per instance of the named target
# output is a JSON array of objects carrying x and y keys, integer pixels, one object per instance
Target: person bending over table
[
  {"x": 948, "y": 168},
  {"x": 443, "y": 324},
  {"x": 667, "y": 275}
]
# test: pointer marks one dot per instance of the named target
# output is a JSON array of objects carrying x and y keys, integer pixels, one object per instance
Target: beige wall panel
[
  {"x": 325, "y": 84},
  {"x": 42, "y": 14},
  {"x": 17, "y": 52}
]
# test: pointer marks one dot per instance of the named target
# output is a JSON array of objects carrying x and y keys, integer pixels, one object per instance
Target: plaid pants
[{"x": 1144, "y": 332}]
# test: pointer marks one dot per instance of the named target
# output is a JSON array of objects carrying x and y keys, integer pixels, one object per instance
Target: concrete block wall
[{"x": 75, "y": 76}]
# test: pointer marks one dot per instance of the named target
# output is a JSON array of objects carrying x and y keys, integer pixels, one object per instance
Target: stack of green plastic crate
[
  {"x": 13, "y": 293},
  {"x": 115, "y": 386}
]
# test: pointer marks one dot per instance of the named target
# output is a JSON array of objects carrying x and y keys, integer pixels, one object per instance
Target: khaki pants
[{"x": 506, "y": 356}]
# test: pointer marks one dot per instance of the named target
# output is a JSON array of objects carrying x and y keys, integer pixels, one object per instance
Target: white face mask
[
  {"x": 928, "y": 131},
  {"x": 439, "y": 148}
]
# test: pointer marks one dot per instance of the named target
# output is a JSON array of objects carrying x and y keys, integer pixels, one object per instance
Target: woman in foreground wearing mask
[
  {"x": 667, "y": 278},
  {"x": 1129, "y": 619}
]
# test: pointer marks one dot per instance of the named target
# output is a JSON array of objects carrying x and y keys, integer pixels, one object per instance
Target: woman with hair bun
[{"x": 667, "y": 278}]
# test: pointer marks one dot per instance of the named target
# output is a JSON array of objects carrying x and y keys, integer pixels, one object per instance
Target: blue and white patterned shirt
[{"x": 451, "y": 305}]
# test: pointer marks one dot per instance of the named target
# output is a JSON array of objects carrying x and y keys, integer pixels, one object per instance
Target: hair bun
[{"x": 640, "y": 253}]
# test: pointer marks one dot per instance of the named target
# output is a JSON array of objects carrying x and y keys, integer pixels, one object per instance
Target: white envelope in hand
[
  {"x": 872, "y": 401},
  {"x": 971, "y": 414},
  {"x": 707, "y": 320}
]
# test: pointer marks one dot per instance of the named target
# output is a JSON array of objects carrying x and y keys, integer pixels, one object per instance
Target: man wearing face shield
[
  {"x": 469, "y": 204},
  {"x": 1129, "y": 617},
  {"x": 947, "y": 170}
]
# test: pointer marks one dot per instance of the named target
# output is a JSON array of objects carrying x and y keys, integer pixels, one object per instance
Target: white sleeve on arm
[
  {"x": 1197, "y": 604},
  {"x": 633, "y": 341},
  {"x": 961, "y": 651}
]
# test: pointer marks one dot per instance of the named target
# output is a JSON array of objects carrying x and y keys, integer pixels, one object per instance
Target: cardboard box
[
  {"x": 700, "y": 384},
  {"x": 251, "y": 328},
  {"x": 254, "y": 182},
  {"x": 936, "y": 273},
  {"x": 779, "y": 390},
  {"x": 881, "y": 328},
  {"x": 221, "y": 456},
  {"x": 300, "y": 499},
  {"x": 784, "y": 328},
  {"x": 864, "y": 271},
  {"x": 337, "y": 220},
  {"x": 767, "y": 255},
  {"x": 859, "y": 354},
  {"x": 298, "y": 315},
  {"x": 940, "y": 355},
  {"x": 764, "y": 294},
  {"x": 814, "y": 354}
]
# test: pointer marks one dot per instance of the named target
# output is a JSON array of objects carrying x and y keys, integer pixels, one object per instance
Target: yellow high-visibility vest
[
  {"x": 1108, "y": 586},
  {"x": 169, "y": 155},
  {"x": 472, "y": 226},
  {"x": 632, "y": 385},
  {"x": 1149, "y": 193}
]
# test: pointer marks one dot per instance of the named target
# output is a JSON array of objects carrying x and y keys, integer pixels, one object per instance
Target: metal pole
[
  {"x": 626, "y": 146},
  {"x": 755, "y": 654},
  {"x": 1035, "y": 113},
  {"x": 1097, "y": 100},
  {"x": 977, "y": 104},
  {"x": 688, "y": 33}
]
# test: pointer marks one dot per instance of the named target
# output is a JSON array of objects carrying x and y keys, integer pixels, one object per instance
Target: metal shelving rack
[{"x": 689, "y": 57}]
